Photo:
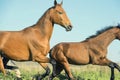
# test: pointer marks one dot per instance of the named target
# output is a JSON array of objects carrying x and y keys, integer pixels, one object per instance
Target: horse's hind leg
[
  {"x": 2, "y": 66},
  {"x": 63, "y": 61},
  {"x": 5, "y": 61},
  {"x": 57, "y": 68},
  {"x": 15, "y": 68},
  {"x": 53, "y": 62},
  {"x": 67, "y": 70}
]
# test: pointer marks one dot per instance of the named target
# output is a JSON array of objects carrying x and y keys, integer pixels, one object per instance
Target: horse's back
[
  {"x": 13, "y": 43},
  {"x": 3, "y": 37},
  {"x": 8, "y": 36}
]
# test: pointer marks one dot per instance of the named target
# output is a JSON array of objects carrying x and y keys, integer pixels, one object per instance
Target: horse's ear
[
  {"x": 61, "y": 2},
  {"x": 119, "y": 25},
  {"x": 55, "y": 2}
]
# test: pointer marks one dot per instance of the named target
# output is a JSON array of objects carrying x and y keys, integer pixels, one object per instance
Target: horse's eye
[{"x": 60, "y": 12}]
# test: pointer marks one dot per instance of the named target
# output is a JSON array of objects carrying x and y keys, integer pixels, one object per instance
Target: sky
[{"x": 87, "y": 17}]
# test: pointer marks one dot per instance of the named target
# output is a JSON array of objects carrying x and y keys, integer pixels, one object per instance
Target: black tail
[
  {"x": 52, "y": 60},
  {"x": 50, "y": 53}
]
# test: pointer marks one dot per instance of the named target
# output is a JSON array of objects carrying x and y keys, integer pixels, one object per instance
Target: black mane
[{"x": 101, "y": 31}]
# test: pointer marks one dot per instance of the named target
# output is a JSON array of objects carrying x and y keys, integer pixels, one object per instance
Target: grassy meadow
[{"x": 87, "y": 72}]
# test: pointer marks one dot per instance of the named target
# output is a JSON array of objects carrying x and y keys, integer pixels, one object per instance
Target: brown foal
[{"x": 91, "y": 51}]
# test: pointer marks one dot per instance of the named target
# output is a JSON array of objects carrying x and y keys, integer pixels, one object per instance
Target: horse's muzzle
[{"x": 69, "y": 28}]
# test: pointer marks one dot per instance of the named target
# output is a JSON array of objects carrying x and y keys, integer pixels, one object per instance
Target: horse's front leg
[
  {"x": 42, "y": 60},
  {"x": 112, "y": 72},
  {"x": 105, "y": 62},
  {"x": 47, "y": 69},
  {"x": 113, "y": 65}
]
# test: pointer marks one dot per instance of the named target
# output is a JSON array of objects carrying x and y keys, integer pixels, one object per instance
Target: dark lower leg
[
  {"x": 40, "y": 77},
  {"x": 53, "y": 62},
  {"x": 15, "y": 68},
  {"x": 11, "y": 67},
  {"x": 112, "y": 74},
  {"x": 5, "y": 61},
  {"x": 47, "y": 72},
  {"x": 57, "y": 68},
  {"x": 117, "y": 66},
  {"x": 112, "y": 66}
]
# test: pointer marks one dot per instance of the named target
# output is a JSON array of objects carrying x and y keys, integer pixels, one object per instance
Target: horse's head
[{"x": 58, "y": 16}]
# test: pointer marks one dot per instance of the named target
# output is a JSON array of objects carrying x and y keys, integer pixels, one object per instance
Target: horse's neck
[
  {"x": 104, "y": 39},
  {"x": 45, "y": 26}
]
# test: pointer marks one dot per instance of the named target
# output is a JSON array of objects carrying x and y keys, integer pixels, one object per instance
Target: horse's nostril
[{"x": 71, "y": 26}]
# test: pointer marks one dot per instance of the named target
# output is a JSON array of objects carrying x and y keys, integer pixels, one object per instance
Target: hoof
[
  {"x": 17, "y": 78},
  {"x": 37, "y": 78},
  {"x": 71, "y": 79}
]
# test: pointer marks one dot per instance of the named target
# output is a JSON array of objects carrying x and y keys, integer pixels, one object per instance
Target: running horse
[
  {"x": 93, "y": 50},
  {"x": 32, "y": 43}
]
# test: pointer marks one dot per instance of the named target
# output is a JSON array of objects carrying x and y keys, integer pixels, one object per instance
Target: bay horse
[
  {"x": 93, "y": 50},
  {"x": 32, "y": 43}
]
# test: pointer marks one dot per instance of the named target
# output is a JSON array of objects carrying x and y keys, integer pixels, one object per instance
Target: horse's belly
[
  {"x": 78, "y": 59},
  {"x": 77, "y": 54},
  {"x": 18, "y": 57},
  {"x": 17, "y": 54}
]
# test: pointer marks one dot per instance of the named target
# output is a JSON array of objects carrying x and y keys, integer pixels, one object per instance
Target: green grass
[
  {"x": 87, "y": 72},
  {"x": 92, "y": 72}
]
